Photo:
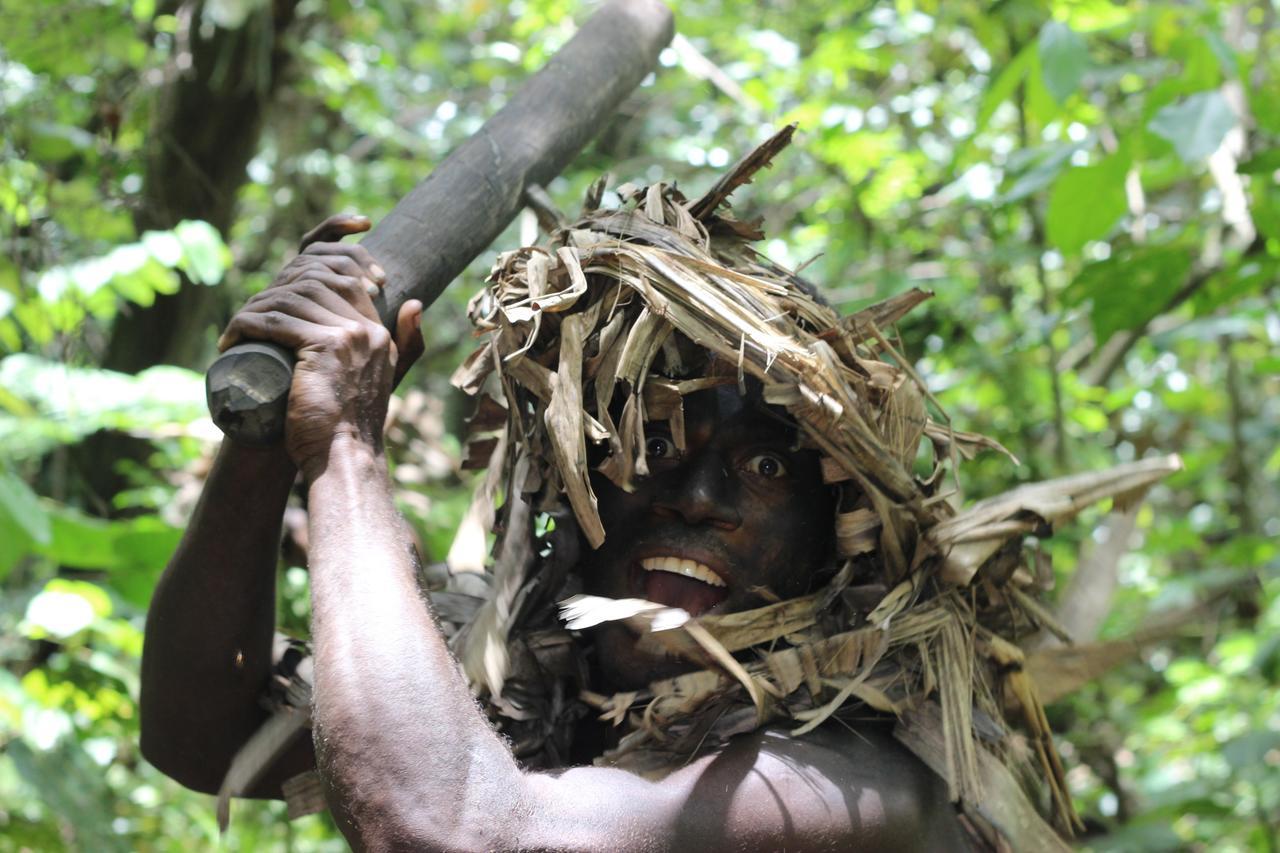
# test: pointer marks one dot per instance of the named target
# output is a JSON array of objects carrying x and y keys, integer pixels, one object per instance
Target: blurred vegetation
[{"x": 1089, "y": 187}]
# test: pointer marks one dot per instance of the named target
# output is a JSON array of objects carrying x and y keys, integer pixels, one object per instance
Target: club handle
[{"x": 247, "y": 389}]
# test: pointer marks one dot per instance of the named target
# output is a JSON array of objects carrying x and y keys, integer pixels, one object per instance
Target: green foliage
[
  {"x": 46, "y": 403},
  {"x": 67, "y": 297},
  {"x": 1126, "y": 291},
  {"x": 1099, "y": 190},
  {"x": 1064, "y": 59},
  {"x": 1196, "y": 125},
  {"x": 1101, "y": 294}
]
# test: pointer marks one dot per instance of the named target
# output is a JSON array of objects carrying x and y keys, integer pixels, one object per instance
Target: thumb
[{"x": 409, "y": 342}]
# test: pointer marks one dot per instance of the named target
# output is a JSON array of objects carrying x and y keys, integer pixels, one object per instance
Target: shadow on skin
[
  {"x": 827, "y": 790},
  {"x": 771, "y": 767}
]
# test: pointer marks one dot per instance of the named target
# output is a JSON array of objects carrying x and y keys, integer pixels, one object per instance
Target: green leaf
[
  {"x": 1127, "y": 291},
  {"x": 1044, "y": 170},
  {"x": 14, "y": 543},
  {"x": 1264, "y": 106},
  {"x": 135, "y": 289},
  {"x": 205, "y": 256},
  {"x": 20, "y": 504},
  {"x": 1249, "y": 748},
  {"x": 164, "y": 246},
  {"x": 1085, "y": 203},
  {"x": 1064, "y": 58},
  {"x": 1241, "y": 278},
  {"x": 64, "y": 608},
  {"x": 35, "y": 321},
  {"x": 53, "y": 142},
  {"x": 144, "y": 549},
  {"x": 1262, "y": 163},
  {"x": 1196, "y": 126},
  {"x": 83, "y": 542},
  {"x": 1223, "y": 52},
  {"x": 24, "y": 525},
  {"x": 1005, "y": 84}
]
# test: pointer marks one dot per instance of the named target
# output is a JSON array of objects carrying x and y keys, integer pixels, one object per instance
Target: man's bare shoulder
[
  {"x": 832, "y": 789},
  {"x": 860, "y": 782}
]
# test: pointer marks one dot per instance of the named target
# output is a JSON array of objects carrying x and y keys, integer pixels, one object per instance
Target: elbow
[
  {"x": 164, "y": 759},
  {"x": 394, "y": 824},
  {"x": 411, "y": 835},
  {"x": 166, "y": 750},
  {"x": 398, "y": 820}
]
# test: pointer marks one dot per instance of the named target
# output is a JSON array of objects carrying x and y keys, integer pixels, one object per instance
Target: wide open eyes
[
  {"x": 659, "y": 447},
  {"x": 768, "y": 465}
]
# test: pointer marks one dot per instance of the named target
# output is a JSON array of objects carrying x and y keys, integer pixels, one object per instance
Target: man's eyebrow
[
  {"x": 774, "y": 417},
  {"x": 782, "y": 431}
]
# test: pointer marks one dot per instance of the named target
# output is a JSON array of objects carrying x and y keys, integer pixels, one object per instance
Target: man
[{"x": 408, "y": 760}]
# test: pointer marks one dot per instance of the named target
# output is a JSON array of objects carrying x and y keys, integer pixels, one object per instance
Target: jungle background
[{"x": 1090, "y": 188}]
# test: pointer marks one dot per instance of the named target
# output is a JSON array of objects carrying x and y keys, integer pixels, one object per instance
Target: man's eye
[
  {"x": 658, "y": 447},
  {"x": 767, "y": 465}
]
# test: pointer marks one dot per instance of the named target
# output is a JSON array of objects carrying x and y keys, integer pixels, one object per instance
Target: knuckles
[
  {"x": 378, "y": 337},
  {"x": 327, "y": 258},
  {"x": 363, "y": 338}
]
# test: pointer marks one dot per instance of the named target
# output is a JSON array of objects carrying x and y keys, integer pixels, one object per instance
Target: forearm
[
  {"x": 406, "y": 753},
  {"x": 208, "y": 644}
]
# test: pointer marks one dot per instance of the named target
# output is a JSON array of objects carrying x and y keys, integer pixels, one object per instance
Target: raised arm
[
  {"x": 208, "y": 645},
  {"x": 207, "y": 649}
]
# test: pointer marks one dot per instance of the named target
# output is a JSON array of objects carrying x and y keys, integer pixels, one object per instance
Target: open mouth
[{"x": 687, "y": 584}]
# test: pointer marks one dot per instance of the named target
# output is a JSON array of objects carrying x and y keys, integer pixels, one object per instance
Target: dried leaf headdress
[{"x": 916, "y": 620}]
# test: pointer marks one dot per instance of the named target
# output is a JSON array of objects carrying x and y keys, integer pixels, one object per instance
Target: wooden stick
[{"x": 453, "y": 215}]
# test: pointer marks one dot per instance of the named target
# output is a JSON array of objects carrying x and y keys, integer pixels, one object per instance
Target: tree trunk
[
  {"x": 206, "y": 127},
  {"x": 205, "y": 130}
]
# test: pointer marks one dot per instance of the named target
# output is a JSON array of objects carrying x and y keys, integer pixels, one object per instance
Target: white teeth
[{"x": 688, "y": 568}]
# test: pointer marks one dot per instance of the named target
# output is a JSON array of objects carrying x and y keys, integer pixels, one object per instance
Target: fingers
[
  {"x": 341, "y": 264},
  {"x": 335, "y": 294},
  {"x": 330, "y": 269},
  {"x": 277, "y": 327},
  {"x": 335, "y": 228},
  {"x": 409, "y": 342},
  {"x": 329, "y": 285},
  {"x": 355, "y": 257},
  {"x": 353, "y": 291},
  {"x": 310, "y": 302},
  {"x": 305, "y": 326}
]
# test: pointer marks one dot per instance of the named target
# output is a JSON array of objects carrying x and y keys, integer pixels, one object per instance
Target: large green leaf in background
[
  {"x": 1064, "y": 58},
  {"x": 24, "y": 524},
  {"x": 1005, "y": 84},
  {"x": 1196, "y": 125},
  {"x": 1085, "y": 203},
  {"x": 1127, "y": 290}
]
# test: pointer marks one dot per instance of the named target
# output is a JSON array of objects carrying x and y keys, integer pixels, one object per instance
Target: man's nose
[{"x": 704, "y": 495}]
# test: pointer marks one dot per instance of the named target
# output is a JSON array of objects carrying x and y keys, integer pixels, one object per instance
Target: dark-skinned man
[{"x": 408, "y": 760}]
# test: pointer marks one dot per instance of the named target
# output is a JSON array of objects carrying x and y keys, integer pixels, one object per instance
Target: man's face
[{"x": 740, "y": 511}]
